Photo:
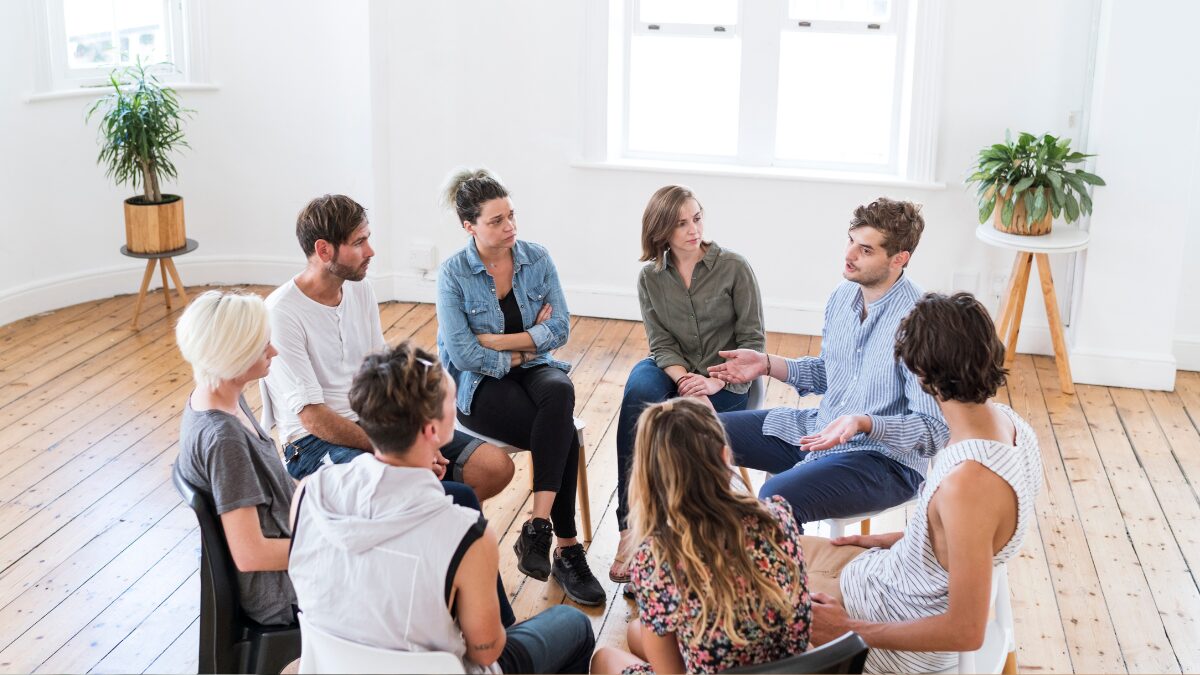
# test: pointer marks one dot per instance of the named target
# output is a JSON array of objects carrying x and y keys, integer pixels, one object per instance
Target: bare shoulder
[{"x": 972, "y": 488}]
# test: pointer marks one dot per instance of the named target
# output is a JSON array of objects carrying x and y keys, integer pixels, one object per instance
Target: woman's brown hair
[
  {"x": 683, "y": 504},
  {"x": 660, "y": 219},
  {"x": 395, "y": 393},
  {"x": 951, "y": 344}
]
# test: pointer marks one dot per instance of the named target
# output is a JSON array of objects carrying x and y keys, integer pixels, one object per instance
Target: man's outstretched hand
[
  {"x": 839, "y": 431},
  {"x": 741, "y": 365}
]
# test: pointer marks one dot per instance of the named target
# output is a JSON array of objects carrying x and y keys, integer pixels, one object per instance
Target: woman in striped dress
[{"x": 919, "y": 597}]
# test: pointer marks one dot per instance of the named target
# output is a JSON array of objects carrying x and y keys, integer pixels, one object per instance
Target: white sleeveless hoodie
[{"x": 370, "y": 552}]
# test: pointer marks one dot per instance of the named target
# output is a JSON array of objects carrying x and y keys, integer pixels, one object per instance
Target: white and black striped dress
[{"x": 906, "y": 582}]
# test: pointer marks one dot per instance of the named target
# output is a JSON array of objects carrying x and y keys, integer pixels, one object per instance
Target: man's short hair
[
  {"x": 900, "y": 222},
  {"x": 951, "y": 344},
  {"x": 222, "y": 335},
  {"x": 330, "y": 217},
  {"x": 395, "y": 393}
]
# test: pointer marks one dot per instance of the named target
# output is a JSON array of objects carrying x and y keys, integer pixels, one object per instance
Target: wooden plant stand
[{"x": 165, "y": 265}]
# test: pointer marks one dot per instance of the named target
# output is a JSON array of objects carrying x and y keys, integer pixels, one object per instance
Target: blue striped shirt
[{"x": 858, "y": 374}]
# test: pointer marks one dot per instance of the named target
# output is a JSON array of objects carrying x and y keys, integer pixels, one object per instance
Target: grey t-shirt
[{"x": 219, "y": 455}]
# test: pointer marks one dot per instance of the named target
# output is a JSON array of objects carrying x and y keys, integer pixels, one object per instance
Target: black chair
[
  {"x": 847, "y": 654},
  {"x": 230, "y": 642}
]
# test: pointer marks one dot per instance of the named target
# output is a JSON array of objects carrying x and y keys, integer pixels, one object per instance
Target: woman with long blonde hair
[{"x": 719, "y": 576}]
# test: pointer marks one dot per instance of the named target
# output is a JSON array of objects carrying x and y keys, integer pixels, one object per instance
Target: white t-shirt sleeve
[
  {"x": 292, "y": 381},
  {"x": 378, "y": 343}
]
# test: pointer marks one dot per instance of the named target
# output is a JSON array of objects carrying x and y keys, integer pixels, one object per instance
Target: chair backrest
[
  {"x": 322, "y": 652},
  {"x": 267, "y": 418},
  {"x": 221, "y": 618},
  {"x": 756, "y": 397},
  {"x": 847, "y": 654}
]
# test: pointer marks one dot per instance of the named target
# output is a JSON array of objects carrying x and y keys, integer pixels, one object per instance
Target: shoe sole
[
  {"x": 543, "y": 576},
  {"x": 586, "y": 603},
  {"x": 618, "y": 579}
]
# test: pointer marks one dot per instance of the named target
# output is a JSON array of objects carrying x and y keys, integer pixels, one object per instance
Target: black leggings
[{"x": 534, "y": 408}]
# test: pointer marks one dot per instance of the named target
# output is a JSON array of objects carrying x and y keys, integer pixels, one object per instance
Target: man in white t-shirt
[{"x": 324, "y": 322}]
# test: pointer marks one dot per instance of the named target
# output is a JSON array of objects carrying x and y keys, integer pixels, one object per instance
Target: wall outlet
[{"x": 422, "y": 255}]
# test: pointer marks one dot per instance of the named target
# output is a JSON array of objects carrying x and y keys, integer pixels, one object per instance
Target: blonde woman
[
  {"x": 719, "y": 576},
  {"x": 224, "y": 452},
  {"x": 697, "y": 299}
]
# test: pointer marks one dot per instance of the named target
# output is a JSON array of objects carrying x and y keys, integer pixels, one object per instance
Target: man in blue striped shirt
[{"x": 867, "y": 446}]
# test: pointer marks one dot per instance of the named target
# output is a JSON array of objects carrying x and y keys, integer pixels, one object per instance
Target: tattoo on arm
[{"x": 485, "y": 645}]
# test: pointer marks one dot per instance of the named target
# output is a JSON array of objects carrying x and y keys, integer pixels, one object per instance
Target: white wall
[
  {"x": 289, "y": 120},
  {"x": 382, "y": 99}
]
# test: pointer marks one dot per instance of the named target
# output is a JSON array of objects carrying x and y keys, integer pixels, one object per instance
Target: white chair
[
  {"x": 585, "y": 507},
  {"x": 837, "y": 526},
  {"x": 321, "y": 652},
  {"x": 999, "y": 651}
]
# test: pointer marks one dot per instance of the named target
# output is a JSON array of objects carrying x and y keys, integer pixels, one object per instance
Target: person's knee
[
  {"x": 558, "y": 391},
  {"x": 462, "y": 495},
  {"x": 488, "y": 471},
  {"x": 576, "y": 627}
]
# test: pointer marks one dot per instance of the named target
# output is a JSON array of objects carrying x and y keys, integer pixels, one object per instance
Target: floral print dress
[{"x": 665, "y": 608}]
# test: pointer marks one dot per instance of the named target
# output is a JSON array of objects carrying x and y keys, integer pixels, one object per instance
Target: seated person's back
[{"x": 414, "y": 572}]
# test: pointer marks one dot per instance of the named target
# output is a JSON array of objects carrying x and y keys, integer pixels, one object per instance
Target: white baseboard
[
  {"x": 1187, "y": 352},
  {"x": 1137, "y": 370}
]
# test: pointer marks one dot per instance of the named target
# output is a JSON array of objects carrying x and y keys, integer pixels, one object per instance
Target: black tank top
[{"x": 512, "y": 314}]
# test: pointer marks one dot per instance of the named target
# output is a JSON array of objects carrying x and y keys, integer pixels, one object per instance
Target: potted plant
[
  {"x": 140, "y": 126},
  {"x": 1031, "y": 183}
]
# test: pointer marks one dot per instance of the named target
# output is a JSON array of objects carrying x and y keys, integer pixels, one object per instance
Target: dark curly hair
[
  {"x": 951, "y": 344},
  {"x": 395, "y": 393},
  {"x": 900, "y": 222}
]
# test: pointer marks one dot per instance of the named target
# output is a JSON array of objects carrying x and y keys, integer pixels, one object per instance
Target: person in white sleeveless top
[
  {"x": 381, "y": 556},
  {"x": 919, "y": 597}
]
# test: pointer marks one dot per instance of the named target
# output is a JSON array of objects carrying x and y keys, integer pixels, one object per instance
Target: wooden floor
[{"x": 98, "y": 557}]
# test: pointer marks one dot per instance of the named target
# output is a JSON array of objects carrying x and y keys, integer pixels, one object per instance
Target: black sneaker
[
  {"x": 533, "y": 548},
  {"x": 576, "y": 578}
]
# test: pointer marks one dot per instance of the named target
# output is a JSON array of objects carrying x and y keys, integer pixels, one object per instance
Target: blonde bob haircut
[{"x": 221, "y": 335}]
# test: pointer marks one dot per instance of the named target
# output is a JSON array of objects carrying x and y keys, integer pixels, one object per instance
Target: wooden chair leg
[
  {"x": 166, "y": 288},
  {"x": 137, "y": 308},
  {"x": 864, "y": 527},
  {"x": 1010, "y": 664},
  {"x": 175, "y": 276},
  {"x": 585, "y": 502},
  {"x": 746, "y": 477},
  {"x": 1049, "y": 298},
  {"x": 1017, "y": 307}
]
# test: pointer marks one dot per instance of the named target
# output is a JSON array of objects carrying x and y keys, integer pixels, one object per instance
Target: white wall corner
[{"x": 1187, "y": 352}]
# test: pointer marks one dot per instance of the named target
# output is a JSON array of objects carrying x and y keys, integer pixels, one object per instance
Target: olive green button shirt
[{"x": 722, "y": 310}]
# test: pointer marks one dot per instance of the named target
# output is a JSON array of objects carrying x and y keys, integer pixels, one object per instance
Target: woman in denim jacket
[{"x": 500, "y": 311}]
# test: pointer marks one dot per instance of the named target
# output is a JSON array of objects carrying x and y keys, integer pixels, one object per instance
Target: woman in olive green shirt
[{"x": 697, "y": 299}]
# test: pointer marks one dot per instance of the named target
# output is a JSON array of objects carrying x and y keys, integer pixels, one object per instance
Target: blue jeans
[
  {"x": 558, "y": 640},
  {"x": 648, "y": 384},
  {"x": 306, "y": 454},
  {"x": 834, "y": 486}
]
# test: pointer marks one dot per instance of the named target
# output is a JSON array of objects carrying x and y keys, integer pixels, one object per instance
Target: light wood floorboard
[{"x": 98, "y": 558}]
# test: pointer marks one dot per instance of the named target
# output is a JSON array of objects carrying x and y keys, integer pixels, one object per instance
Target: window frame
[
  {"x": 183, "y": 29},
  {"x": 917, "y": 24}
]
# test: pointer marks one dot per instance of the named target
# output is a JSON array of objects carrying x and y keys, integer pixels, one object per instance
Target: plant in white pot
[
  {"x": 140, "y": 127},
  {"x": 1027, "y": 184}
]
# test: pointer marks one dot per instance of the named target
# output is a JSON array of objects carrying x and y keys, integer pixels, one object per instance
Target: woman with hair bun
[
  {"x": 224, "y": 452},
  {"x": 501, "y": 311}
]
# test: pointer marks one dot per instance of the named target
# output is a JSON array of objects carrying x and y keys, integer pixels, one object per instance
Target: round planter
[
  {"x": 154, "y": 228},
  {"x": 1019, "y": 221}
]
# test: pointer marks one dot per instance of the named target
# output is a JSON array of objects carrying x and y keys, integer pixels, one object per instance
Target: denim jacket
[{"x": 467, "y": 306}]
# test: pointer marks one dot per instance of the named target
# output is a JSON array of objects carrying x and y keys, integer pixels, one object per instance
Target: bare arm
[
  {"x": 251, "y": 551},
  {"x": 320, "y": 421},
  {"x": 970, "y": 520},
  {"x": 662, "y": 651},
  {"x": 478, "y": 609}
]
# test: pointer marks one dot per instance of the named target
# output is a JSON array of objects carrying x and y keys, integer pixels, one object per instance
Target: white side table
[{"x": 1062, "y": 239}]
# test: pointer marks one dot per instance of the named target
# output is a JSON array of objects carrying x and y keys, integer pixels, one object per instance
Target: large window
[
  {"x": 86, "y": 39},
  {"x": 803, "y": 84}
]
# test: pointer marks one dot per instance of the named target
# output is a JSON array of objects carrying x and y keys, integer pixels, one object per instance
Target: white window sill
[
  {"x": 772, "y": 172},
  {"x": 98, "y": 91}
]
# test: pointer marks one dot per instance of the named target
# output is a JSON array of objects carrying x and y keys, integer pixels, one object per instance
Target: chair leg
[
  {"x": 746, "y": 477},
  {"x": 865, "y": 526},
  {"x": 836, "y": 529},
  {"x": 1010, "y": 664},
  {"x": 585, "y": 502}
]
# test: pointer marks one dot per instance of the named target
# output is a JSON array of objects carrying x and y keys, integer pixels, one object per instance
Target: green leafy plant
[
  {"x": 140, "y": 126},
  {"x": 1036, "y": 171}
]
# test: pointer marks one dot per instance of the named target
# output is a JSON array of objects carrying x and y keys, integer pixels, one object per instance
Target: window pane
[
  {"x": 715, "y": 12},
  {"x": 140, "y": 31},
  {"x": 840, "y": 10},
  {"x": 683, "y": 94},
  {"x": 88, "y": 26},
  {"x": 836, "y": 97}
]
